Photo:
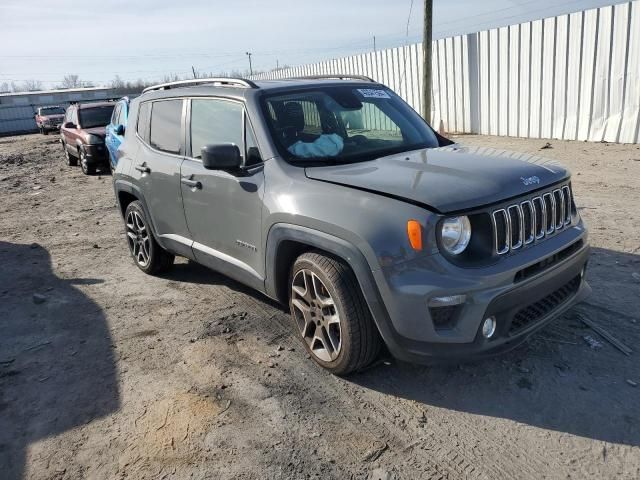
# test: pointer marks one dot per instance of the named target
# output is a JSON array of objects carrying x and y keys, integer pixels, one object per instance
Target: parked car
[
  {"x": 82, "y": 135},
  {"x": 115, "y": 130},
  {"x": 49, "y": 118},
  {"x": 333, "y": 196}
]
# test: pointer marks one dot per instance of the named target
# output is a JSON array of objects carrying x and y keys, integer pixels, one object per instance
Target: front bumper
[
  {"x": 96, "y": 153},
  {"x": 521, "y": 304}
]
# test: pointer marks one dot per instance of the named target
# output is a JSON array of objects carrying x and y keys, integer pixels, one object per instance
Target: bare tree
[
  {"x": 117, "y": 82},
  {"x": 71, "y": 81},
  {"x": 4, "y": 87},
  {"x": 32, "y": 85}
]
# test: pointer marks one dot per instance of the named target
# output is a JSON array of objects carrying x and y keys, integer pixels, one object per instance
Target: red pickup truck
[{"x": 49, "y": 118}]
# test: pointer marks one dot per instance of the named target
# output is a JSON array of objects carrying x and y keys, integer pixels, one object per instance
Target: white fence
[{"x": 575, "y": 76}]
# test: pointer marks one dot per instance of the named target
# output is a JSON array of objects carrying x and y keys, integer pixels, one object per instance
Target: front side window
[
  {"x": 115, "y": 115},
  {"x": 166, "y": 118},
  {"x": 95, "y": 116},
  {"x": 215, "y": 121},
  {"x": 344, "y": 124}
]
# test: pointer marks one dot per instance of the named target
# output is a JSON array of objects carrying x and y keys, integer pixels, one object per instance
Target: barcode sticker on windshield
[{"x": 373, "y": 93}]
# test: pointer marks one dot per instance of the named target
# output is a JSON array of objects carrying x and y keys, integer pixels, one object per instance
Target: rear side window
[
  {"x": 215, "y": 121},
  {"x": 165, "y": 125},
  {"x": 144, "y": 114}
]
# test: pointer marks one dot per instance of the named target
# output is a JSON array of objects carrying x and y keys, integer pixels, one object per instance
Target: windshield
[
  {"x": 52, "y": 111},
  {"x": 95, "y": 116},
  {"x": 345, "y": 124}
]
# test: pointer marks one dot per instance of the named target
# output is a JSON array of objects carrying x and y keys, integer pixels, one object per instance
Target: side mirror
[
  {"x": 223, "y": 156},
  {"x": 69, "y": 125},
  {"x": 119, "y": 130}
]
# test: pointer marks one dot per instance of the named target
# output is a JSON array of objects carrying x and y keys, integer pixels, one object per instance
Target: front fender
[{"x": 338, "y": 247}]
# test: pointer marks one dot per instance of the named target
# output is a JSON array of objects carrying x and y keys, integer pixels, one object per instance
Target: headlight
[
  {"x": 94, "y": 140},
  {"x": 455, "y": 233}
]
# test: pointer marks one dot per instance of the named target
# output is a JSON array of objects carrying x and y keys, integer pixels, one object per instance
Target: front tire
[
  {"x": 71, "y": 160},
  {"x": 87, "y": 168},
  {"x": 331, "y": 314},
  {"x": 150, "y": 257}
]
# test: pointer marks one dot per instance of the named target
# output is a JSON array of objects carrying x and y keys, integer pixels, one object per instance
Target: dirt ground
[{"x": 106, "y": 373}]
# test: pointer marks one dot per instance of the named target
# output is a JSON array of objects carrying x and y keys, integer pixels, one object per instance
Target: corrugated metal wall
[
  {"x": 574, "y": 76},
  {"x": 17, "y": 111}
]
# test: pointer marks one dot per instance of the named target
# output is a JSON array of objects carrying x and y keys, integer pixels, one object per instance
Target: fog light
[{"x": 489, "y": 327}]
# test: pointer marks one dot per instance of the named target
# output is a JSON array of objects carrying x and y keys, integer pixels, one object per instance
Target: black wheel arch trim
[
  {"x": 130, "y": 188},
  {"x": 342, "y": 249}
]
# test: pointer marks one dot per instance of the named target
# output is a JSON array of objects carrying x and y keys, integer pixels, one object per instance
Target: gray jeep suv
[{"x": 331, "y": 195}]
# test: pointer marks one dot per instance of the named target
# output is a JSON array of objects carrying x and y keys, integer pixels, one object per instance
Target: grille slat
[{"x": 531, "y": 220}]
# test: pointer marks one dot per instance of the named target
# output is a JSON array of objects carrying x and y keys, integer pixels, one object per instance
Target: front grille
[
  {"x": 525, "y": 222},
  {"x": 540, "y": 309}
]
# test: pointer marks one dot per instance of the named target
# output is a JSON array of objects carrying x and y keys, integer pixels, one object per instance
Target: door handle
[
  {"x": 143, "y": 168},
  {"x": 191, "y": 183}
]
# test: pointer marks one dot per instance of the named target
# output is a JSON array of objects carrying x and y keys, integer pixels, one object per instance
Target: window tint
[
  {"x": 143, "y": 121},
  {"x": 215, "y": 121},
  {"x": 165, "y": 125}
]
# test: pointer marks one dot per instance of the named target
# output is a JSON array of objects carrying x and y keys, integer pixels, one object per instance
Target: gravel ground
[{"x": 108, "y": 373}]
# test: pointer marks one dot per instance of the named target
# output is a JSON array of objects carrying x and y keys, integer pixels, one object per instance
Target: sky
[{"x": 148, "y": 39}]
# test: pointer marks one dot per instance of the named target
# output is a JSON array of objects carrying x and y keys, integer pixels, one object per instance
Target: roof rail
[
  {"x": 222, "y": 81},
  {"x": 337, "y": 76}
]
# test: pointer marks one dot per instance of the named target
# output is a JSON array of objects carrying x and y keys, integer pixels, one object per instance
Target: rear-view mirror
[{"x": 222, "y": 156}]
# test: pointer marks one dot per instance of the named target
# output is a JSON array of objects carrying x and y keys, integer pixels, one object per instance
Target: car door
[
  {"x": 224, "y": 208},
  {"x": 156, "y": 170},
  {"x": 123, "y": 115},
  {"x": 109, "y": 139},
  {"x": 69, "y": 132}
]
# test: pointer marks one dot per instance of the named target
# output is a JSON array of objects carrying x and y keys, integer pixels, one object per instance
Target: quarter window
[
  {"x": 215, "y": 121},
  {"x": 165, "y": 125},
  {"x": 143, "y": 121}
]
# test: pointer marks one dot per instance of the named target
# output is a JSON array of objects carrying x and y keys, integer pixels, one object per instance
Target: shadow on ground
[
  {"x": 57, "y": 369},
  {"x": 555, "y": 381}
]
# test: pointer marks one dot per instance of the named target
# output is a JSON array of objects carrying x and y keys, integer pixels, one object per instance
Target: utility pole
[
  {"x": 277, "y": 64},
  {"x": 194, "y": 71},
  {"x": 250, "y": 67},
  {"x": 374, "y": 43},
  {"x": 426, "y": 58}
]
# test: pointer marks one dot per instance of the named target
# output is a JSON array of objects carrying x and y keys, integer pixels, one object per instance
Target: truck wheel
[
  {"x": 331, "y": 315},
  {"x": 87, "y": 168},
  {"x": 71, "y": 160},
  {"x": 150, "y": 257}
]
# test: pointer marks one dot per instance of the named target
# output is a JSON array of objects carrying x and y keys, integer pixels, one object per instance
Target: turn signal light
[{"x": 414, "y": 231}]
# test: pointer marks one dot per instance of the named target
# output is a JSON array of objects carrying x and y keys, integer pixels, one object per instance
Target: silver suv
[{"x": 331, "y": 195}]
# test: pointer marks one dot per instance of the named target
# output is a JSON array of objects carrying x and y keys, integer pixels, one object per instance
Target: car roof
[{"x": 241, "y": 92}]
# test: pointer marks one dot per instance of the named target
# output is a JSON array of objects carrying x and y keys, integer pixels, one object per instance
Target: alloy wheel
[
  {"x": 316, "y": 315},
  {"x": 138, "y": 238}
]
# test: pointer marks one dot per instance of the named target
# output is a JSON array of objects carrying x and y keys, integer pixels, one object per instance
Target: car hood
[
  {"x": 97, "y": 131},
  {"x": 447, "y": 179}
]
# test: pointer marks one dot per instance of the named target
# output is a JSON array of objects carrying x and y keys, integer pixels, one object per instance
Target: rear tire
[
  {"x": 331, "y": 315},
  {"x": 150, "y": 257}
]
